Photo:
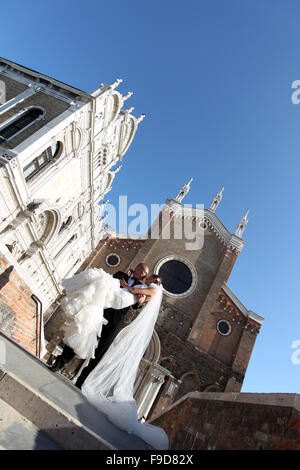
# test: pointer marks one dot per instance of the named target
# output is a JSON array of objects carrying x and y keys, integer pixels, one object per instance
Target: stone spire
[
  {"x": 216, "y": 201},
  {"x": 141, "y": 118},
  {"x": 129, "y": 110},
  {"x": 241, "y": 225},
  {"x": 183, "y": 192},
  {"x": 116, "y": 83},
  {"x": 129, "y": 94}
]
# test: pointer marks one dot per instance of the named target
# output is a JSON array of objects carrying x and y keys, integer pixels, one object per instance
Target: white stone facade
[{"x": 51, "y": 223}]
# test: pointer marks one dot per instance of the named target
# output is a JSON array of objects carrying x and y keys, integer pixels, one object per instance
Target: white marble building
[{"x": 60, "y": 150}]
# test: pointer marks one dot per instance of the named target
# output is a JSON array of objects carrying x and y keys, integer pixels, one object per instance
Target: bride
[
  {"x": 109, "y": 387},
  {"x": 87, "y": 295}
]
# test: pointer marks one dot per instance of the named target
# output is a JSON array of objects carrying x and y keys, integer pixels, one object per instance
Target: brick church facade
[{"x": 204, "y": 335}]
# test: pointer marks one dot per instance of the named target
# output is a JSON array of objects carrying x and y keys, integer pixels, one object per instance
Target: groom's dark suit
[{"x": 109, "y": 332}]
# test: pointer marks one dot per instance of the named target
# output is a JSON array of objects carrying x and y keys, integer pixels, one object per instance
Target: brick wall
[
  {"x": 17, "y": 310},
  {"x": 233, "y": 421}
]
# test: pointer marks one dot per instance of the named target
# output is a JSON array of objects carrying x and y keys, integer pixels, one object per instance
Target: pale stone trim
[{"x": 247, "y": 313}]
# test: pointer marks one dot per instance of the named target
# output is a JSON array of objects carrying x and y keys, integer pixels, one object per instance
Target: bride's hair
[{"x": 157, "y": 280}]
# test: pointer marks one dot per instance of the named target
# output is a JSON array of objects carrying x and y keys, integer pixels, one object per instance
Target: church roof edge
[
  {"x": 55, "y": 82},
  {"x": 247, "y": 313}
]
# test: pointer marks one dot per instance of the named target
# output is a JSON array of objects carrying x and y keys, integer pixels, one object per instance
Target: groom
[
  {"x": 115, "y": 322},
  {"x": 115, "y": 318}
]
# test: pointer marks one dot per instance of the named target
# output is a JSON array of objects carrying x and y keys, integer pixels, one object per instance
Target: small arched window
[
  {"x": 18, "y": 123},
  {"x": 65, "y": 225},
  {"x": 38, "y": 163}
]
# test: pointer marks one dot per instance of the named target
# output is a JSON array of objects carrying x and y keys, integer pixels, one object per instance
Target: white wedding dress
[
  {"x": 87, "y": 295},
  {"x": 109, "y": 387}
]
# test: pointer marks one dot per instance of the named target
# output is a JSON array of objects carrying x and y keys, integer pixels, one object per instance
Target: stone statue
[
  {"x": 216, "y": 201},
  {"x": 183, "y": 192},
  {"x": 241, "y": 225}
]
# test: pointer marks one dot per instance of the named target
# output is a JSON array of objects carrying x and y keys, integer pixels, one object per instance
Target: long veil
[{"x": 109, "y": 387}]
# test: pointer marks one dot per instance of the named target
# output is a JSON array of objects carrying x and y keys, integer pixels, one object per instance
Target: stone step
[{"x": 55, "y": 406}]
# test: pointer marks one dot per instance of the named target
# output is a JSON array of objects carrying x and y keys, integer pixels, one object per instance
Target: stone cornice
[{"x": 38, "y": 75}]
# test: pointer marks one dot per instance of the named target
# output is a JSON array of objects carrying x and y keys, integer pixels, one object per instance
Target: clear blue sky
[{"x": 214, "y": 80}]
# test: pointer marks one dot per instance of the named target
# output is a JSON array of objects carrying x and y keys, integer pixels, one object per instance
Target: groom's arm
[
  {"x": 141, "y": 298},
  {"x": 140, "y": 301},
  {"x": 150, "y": 291}
]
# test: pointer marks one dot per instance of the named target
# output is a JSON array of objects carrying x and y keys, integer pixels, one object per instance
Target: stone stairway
[{"x": 49, "y": 410}]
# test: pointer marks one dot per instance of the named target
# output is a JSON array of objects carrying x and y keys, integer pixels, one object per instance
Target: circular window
[
  {"x": 178, "y": 276},
  {"x": 112, "y": 260},
  {"x": 223, "y": 327}
]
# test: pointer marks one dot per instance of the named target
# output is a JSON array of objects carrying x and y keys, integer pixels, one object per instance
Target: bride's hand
[{"x": 140, "y": 298}]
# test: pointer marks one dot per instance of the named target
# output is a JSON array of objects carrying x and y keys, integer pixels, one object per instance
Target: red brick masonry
[
  {"x": 17, "y": 310},
  {"x": 233, "y": 421}
]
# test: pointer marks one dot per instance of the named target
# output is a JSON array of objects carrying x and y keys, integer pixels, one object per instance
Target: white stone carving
[
  {"x": 128, "y": 95},
  {"x": 141, "y": 118},
  {"x": 183, "y": 191},
  {"x": 33, "y": 211},
  {"x": 216, "y": 201},
  {"x": 242, "y": 225}
]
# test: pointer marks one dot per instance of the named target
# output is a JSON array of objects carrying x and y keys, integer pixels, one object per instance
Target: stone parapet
[{"x": 233, "y": 421}]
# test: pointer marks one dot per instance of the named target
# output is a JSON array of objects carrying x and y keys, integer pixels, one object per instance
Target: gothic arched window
[
  {"x": 38, "y": 163},
  {"x": 21, "y": 121}
]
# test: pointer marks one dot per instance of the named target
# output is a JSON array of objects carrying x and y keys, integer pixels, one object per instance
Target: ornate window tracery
[{"x": 42, "y": 160}]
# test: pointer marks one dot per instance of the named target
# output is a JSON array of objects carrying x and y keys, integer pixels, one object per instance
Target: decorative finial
[
  {"x": 242, "y": 225},
  {"x": 141, "y": 118},
  {"x": 216, "y": 201},
  {"x": 104, "y": 217},
  {"x": 128, "y": 95},
  {"x": 129, "y": 110},
  {"x": 183, "y": 192},
  {"x": 116, "y": 83}
]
